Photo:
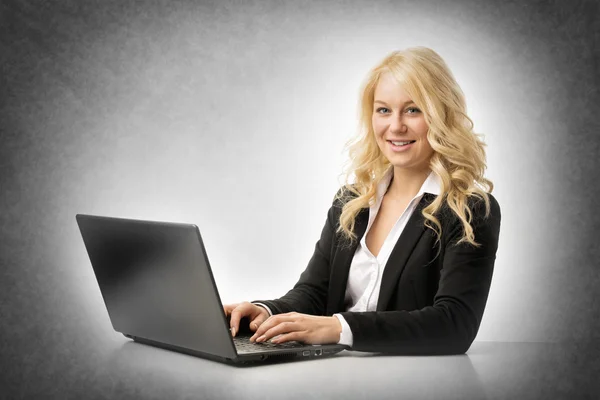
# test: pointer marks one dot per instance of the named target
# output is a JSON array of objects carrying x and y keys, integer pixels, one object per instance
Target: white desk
[{"x": 489, "y": 370}]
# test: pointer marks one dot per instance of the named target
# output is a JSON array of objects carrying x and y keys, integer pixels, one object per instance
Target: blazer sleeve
[
  {"x": 450, "y": 325},
  {"x": 309, "y": 294}
]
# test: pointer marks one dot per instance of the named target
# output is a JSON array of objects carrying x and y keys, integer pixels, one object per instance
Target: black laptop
[{"x": 159, "y": 289}]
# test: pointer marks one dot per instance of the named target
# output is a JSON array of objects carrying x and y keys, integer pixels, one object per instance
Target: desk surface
[{"x": 489, "y": 370}]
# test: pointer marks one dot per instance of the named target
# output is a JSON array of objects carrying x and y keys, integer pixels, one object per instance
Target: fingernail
[
  {"x": 260, "y": 339},
  {"x": 232, "y": 331}
]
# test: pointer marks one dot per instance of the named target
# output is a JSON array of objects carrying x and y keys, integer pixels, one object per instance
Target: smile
[{"x": 401, "y": 146}]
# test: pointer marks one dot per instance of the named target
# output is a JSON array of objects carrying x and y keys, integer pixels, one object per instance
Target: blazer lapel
[
  {"x": 401, "y": 252},
  {"x": 340, "y": 265}
]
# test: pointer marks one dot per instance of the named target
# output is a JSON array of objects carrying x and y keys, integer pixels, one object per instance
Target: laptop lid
[{"x": 156, "y": 282}]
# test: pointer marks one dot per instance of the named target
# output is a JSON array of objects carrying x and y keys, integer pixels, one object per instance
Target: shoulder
[
  {"x": 485, "y": 225},
  {"x": 478, "y": 208},
  {"x": 343, "y": 195}
]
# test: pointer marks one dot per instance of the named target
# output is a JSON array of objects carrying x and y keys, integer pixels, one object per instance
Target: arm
[
  {"x": 309, "y": 294},
  {"x": 450, "y": 325}
]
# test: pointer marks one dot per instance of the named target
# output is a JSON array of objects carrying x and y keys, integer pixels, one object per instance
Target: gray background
[{"x": 233, "y": 116}]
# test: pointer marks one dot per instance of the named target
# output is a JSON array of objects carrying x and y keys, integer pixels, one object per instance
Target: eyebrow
[{"x": 383, "y": 102}]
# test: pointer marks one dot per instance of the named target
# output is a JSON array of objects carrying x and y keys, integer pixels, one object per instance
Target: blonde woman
[{"x": 405, "y": 259}]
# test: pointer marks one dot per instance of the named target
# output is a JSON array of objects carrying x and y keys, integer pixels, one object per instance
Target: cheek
[
  {"x": 427, "y": 149},
  {"x": 422, "y": 128},
  {"x": 378, "y": 127}
]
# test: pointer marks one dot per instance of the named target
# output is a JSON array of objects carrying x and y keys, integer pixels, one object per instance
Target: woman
[{"x": 405, "y": 259}]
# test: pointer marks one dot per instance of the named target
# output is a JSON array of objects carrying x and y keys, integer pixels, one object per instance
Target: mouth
[
  {"x": 401, "y": 143},
  {"x": 398, "y": 147}
]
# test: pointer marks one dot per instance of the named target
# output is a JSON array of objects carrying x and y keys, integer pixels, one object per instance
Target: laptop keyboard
[{"x": 243, "y": 343}]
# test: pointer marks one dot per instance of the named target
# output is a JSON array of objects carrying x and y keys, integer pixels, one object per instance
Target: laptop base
[{"x": 245, "y": 359}]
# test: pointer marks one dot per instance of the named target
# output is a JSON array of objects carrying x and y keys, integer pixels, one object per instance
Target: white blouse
[{"x": 366, "y": 270}]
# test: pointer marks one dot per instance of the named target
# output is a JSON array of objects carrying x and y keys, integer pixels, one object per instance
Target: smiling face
[{"x": 397, "y": 119}]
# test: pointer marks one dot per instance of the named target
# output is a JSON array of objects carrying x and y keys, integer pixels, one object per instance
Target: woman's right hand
[{"x": 256, "y": 314}]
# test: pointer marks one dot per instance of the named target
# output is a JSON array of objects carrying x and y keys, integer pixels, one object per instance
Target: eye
[
  {"x": 416, "y": 110},
  {"x": 382, "y": 110}
]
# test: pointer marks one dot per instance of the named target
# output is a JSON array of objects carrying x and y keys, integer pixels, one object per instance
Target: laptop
[{"x": 158, "y": 288}]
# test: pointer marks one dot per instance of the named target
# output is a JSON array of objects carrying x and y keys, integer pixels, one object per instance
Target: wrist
[{"x": 337, "y": 328}]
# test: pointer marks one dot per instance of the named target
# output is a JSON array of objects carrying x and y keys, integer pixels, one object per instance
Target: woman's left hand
[{"x": 304, "y": 328}]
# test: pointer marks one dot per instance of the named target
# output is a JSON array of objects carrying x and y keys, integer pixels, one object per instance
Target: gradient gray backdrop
[{"x": 233, "y": 116}]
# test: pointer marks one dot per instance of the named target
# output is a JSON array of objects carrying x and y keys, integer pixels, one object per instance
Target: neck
[{"x": 406, "y": 182}]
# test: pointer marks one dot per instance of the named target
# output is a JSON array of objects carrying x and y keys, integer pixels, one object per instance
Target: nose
[{"x": 397, "y": 125}]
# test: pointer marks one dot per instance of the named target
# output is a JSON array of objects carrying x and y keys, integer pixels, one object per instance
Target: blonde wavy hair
[{"x": 458, "y": 159}]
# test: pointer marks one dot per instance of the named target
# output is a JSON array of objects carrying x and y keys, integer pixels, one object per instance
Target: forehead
[{"x": 388, "y": 89}]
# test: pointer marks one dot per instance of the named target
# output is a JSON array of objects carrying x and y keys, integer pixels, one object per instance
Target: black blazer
[{"x": 427, "y": 304}]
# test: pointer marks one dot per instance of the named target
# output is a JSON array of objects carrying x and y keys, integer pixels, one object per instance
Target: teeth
[{"x": 401, "y": 143}]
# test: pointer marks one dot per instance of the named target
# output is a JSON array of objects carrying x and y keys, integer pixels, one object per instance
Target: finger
[
  {"x": 284, "y": 327},
  {"x": 266, "y": 325},
  {"x": 299, "y": 336},
  {"x": 258, "y": 321},
  {"x": 236, "y": 315},
  {"x": 227, "y": 308}
]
